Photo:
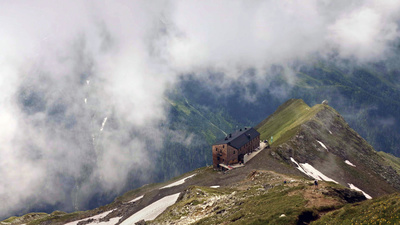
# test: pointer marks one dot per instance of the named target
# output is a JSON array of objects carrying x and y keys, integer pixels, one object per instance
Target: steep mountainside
[
  {"x": 275, "y": 187},
  {"x": 320, "y": 137}
]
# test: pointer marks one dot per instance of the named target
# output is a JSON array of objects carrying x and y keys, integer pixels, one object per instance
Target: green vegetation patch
[
  {"x": 383, "y": 210},
  {"x": 392, "y": 160},
  {"x": 285, "y": 121}
]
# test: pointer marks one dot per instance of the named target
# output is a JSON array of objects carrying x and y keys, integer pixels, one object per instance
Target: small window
[
  {"x": 234, "y": 152},
  {"x": 223, "y": 146}
]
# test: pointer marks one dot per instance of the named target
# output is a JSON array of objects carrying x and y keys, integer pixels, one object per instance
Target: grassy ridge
[{"x": 284, "y": 122}]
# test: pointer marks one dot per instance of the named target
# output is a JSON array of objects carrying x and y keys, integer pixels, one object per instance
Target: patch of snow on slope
[
  {"x": 298, "y": 166},
  {"x": 104, "y": 123},
  {"x": 349, "y": 163},
  {"x": 96, "y": 218},
  {"x": 134, "y": 200},
  {"x": 358, "y": 189},
  {"x": 316, "y": 174},
  {"x": 311, "y": 171},
  {"x": 330, "y": 131},
  {"x": 151, "y": 211},
  {"x": 215, "y": 186},
  {"x": 322, "y": 144},
  {"x": 179, "y": 182}
]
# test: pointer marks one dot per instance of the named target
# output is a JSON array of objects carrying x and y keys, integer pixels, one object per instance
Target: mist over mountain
[{"x": 98, "y": 97}]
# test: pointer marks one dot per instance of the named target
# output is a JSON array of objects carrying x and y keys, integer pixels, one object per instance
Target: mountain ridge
[{"x": 275, "y": 187}]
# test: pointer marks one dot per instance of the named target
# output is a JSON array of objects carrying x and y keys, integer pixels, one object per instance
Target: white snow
[
  {"x": 85, "y": 100},
  {"x": 322, "y": 144},
  {"x": 298, "y": 166},
  {"x": 87, "y": 82},
  {"x": 138, "y": 198},
  {"x": 151, "y": 211},
  {"x": 358, "y": 189},
  {"x": 311, "y": 171},
  {"x": 330, "y": 131},
  {"x": 179, "y": 182},
  {"x": 96, "y": 219},
  {"x": 349, "y": 163},
  {"x": 104, "y": 123},
  {"x": 215, "y": 186}
]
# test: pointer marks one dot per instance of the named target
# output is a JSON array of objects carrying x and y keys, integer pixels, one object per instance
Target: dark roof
[{"x": 239, "y": 138}]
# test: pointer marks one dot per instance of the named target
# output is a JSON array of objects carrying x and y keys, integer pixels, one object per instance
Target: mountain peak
[{"x": 320, "y": 138}]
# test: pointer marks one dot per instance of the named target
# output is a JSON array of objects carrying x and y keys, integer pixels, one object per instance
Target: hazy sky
[{"x": 82, "y": 82}]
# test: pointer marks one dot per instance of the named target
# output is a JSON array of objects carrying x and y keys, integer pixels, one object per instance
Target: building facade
[{"x": 232, "y": 148}]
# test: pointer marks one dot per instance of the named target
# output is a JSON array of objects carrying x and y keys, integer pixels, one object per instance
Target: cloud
[
  {"x": 366, "y": 31},
  {"x": 66, "y": 67}
]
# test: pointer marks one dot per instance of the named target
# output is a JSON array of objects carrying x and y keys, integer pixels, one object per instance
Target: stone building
[{"x": 232, "y": 148}]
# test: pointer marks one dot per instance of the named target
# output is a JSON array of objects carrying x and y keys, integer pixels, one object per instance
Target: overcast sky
[{"x": 82, "y": 82}]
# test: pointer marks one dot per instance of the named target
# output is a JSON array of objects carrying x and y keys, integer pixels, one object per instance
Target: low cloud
[{"x": 66, "y": 67}]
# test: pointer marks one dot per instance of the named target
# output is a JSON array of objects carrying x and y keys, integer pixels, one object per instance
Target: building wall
[
  {"x": 227, "y": 154},
  {"x": 250, "y": 146},
  {"x": 219, "y": 153}
]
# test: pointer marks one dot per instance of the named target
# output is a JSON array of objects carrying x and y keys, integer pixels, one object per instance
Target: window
[{"x": 234, "y": 152}]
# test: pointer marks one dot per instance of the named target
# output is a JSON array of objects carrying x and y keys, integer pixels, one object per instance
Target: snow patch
[
  {"x": 87, "y": 82},
  {"x": 349, "y": 163},
  {"x": 322, "y": 144},
  {"x": 358, "y": 189},
  {"x": 138, "y": 198},
  {"x": 311, "y": 171},
  {"x": 85, "y": 100},
  {"x": 151, "y": 211},
  {"x": 330, "y": 131},
  {"x": 96, "y": 219},
  {"x": 179, "y": 182},
  {"x": 215, "y": 186},
  {"x": 298, "y": 166},
  {"x": 104, "y": 123}
]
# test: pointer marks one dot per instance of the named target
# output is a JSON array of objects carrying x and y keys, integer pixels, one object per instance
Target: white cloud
[{"x": 364, "y": 33}]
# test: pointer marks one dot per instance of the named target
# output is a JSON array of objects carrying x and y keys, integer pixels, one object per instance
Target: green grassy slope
[
  {"x": 392, "y": 160},
  {"x": 285, "y": 121},
  {"x": 383, "y": 210}
]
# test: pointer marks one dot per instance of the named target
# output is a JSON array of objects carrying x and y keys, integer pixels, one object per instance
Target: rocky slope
[
  {"x": 320, "y": 137},
  {"x": 275, "y": 187}
]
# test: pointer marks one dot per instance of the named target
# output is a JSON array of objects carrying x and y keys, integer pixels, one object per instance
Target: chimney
[
  {"x": 245, "y": 128},
  {"x": 240, "y": 129},
  {"x": 226, "y": 138},
  {"x": 230, "y": 135}
]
